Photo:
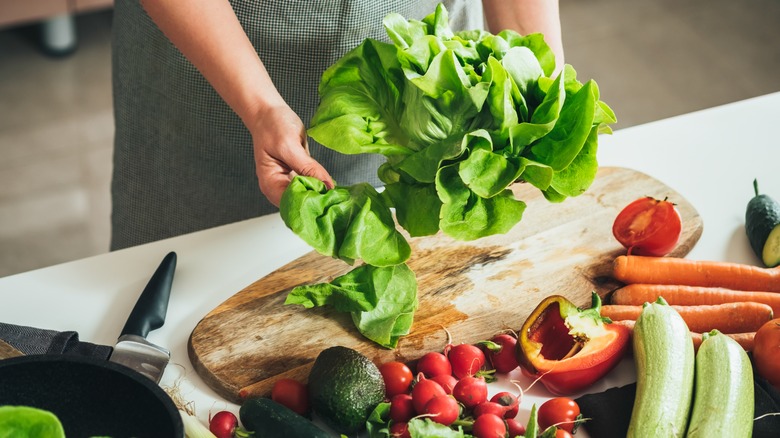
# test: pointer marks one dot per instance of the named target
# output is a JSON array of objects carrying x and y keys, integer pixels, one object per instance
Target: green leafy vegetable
[
  {"x": 427, "y": 428},
  {"x": 346, "y": 222},
  {"x": 25, "y": 421},
  {"x": 435, "y": 98},
  {"x": 460, "y": 117},
  {"x": 382, "y": 300}
]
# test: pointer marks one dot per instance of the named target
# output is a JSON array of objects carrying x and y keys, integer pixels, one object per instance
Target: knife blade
[{"x": 132, "y": 349}]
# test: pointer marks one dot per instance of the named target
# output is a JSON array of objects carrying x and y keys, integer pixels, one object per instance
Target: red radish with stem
[
  {"x": 470, "y": 391},
  {"x": 447, "y": 381},
  {"x": 489, "y": 407},
  {"x": 501, "y": 352},
  {"x": 508, "y": 400},
  {"x": 223, "y": 424},
  {"x": 423, "y": 391},
  {"x": 442, "y": 409},
  {"x": 466, "y": 359}
]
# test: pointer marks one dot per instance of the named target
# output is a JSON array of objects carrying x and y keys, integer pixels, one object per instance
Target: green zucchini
[
  {"x": 762, "y": 225},
  {"x": 269, "y": 419},
  {"x": 663, "y": 351},
  {"x": 723, "y": 393}
]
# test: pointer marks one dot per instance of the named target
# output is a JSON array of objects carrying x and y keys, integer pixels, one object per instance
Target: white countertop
[{"x": 710, "y": 157}]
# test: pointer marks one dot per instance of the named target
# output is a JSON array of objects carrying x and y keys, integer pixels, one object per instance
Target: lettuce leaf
[
  {"x": 348, "y": 223},
  {"x": 381, "y": 300}
]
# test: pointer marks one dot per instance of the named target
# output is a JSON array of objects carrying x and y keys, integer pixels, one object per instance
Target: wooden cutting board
[{"x": 473, "y": 289}]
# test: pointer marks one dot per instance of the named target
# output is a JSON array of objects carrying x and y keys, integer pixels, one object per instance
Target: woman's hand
[{"x": 281, "y": 152}]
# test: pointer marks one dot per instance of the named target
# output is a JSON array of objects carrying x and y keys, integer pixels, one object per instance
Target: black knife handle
[{"x": 149, "y": 312}]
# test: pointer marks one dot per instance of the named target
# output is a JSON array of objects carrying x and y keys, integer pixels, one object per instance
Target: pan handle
[{"x": 149, "y": 312}]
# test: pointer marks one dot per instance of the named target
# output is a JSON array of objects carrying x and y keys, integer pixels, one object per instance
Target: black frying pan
[
  {"x": 95, "y": 397},
  {"x": 91, "y": 397}
]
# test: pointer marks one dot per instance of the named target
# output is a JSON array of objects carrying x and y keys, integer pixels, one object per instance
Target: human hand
[{"x": 281, "y": 152}]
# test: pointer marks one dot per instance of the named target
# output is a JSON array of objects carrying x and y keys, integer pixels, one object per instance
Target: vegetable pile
[
  {"x": 459, "y": 116},
  {"x": 449, "y": 397}
]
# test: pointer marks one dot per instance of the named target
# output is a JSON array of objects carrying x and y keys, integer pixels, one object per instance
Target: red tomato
[
  {"x": 766, "y": 352},
  {"x": 559, "y": 411},
  {"x": 648, "y": 226},
  {"x": 397, "y": 376},
  {"x": 292, "y": 394},
  {"x": 562, "y": 433}
]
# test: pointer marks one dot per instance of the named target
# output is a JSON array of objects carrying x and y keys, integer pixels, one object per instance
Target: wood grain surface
[{"x": 473, "y": 289}]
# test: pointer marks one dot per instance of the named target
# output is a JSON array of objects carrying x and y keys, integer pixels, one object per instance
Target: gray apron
[{"x": 183, "y": 160}]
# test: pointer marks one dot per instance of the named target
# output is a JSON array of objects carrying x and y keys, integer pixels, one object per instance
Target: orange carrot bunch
[{"x": 733, "y": 298}]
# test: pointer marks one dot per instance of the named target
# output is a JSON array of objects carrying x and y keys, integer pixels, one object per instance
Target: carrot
[
  {"x": 674, "y": 270},
  {"x": 728, "y": 318},
  {"x": 637, "y": 294},
  {"x": 743, "y": 339}
]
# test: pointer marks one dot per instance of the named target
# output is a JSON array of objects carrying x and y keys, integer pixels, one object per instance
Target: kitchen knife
[{"x": 132, "y": 349}]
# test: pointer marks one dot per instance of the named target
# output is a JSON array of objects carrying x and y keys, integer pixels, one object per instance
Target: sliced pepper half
[{"x": 569, "y": 348}]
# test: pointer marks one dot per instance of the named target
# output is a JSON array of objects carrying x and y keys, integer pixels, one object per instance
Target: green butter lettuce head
[
  {"x": 29, "y": 422},
  {"x": 434, "y": 98}
]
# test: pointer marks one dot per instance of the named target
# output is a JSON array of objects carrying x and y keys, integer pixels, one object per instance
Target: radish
[
  {"x": 443, "y": 409},
  {"x": 470, "y": 391},
  {"x": 489, "y": 407},
  {"x": 423, "y": 391},
  {"x": 401, "y": 408},
  {"x": 501, "y": 352},
  {"x": 223, "y": 424},
  {"x": 465, "y": 359},
  {"x": 400, "y": 430},
  {"x": 447, "y": 381},
  {"x": 489, "y": 426},
  {"x": 514, "y": 427},
  {"x": 434, "y": 364},
  {"x": 511, "y": 401}
]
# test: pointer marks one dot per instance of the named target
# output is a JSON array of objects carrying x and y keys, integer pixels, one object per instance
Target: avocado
[
  {"x": 344, "y": 388},
  {"x": 762, "y": 224}
]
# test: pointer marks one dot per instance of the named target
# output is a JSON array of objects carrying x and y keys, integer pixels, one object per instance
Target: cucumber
[
  {"x": 723, "y": 393},
  {"x": 762, "y": 225},
  {"x": 269, "y": 419},
  {"x": 663, "y": 351}
]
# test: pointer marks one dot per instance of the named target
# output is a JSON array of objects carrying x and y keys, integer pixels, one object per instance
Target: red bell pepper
[{"x": 569, "y": 348}]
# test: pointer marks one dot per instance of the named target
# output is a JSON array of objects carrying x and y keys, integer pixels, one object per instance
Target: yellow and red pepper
[{"x": 568, "y": 348}]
